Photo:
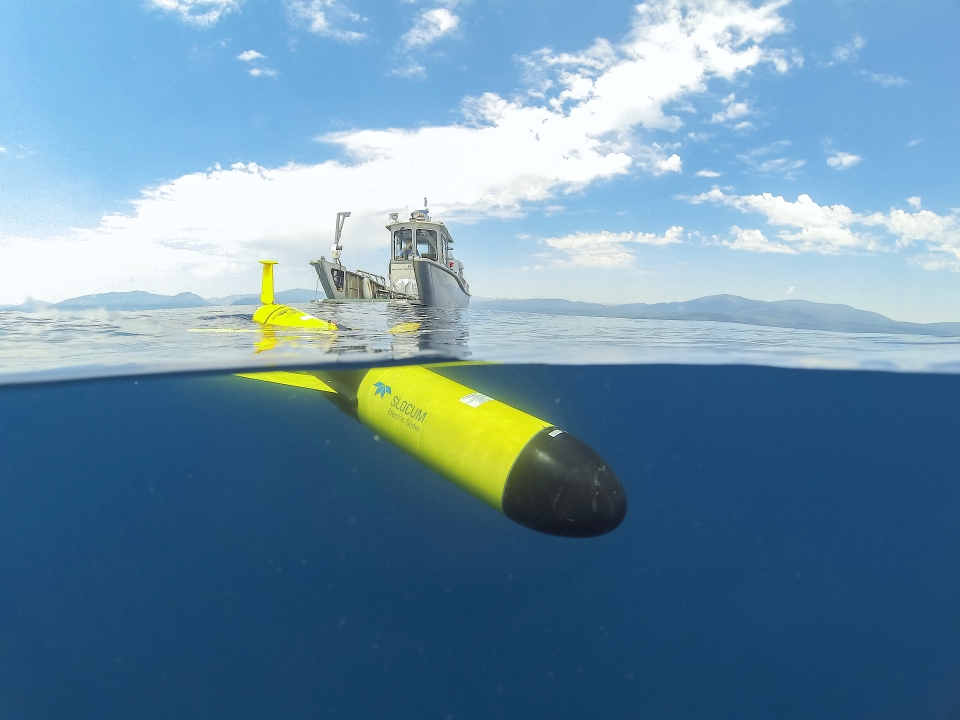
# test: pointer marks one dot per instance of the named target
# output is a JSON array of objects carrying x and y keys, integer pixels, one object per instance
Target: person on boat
[{"x": 408, "y": 249}]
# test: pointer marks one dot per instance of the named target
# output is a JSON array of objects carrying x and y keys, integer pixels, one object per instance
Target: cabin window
[
  {"x": 445, "y": 243},
  {"x": 427, "y": 243},
  {"x": 403, "y": 244}
]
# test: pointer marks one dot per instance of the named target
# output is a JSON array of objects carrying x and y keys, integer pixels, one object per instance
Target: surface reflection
[{"x": 57, "y": 345}]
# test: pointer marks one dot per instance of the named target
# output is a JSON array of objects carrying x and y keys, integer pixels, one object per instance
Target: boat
[
  {"x": 422, "y": 271},
  {"x": 340, "y": 284}
]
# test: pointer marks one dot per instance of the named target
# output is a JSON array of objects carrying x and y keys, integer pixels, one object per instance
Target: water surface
[{"x": 51, "y": 345}]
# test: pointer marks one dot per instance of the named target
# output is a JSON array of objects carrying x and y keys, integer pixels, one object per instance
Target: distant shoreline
[{"x": 794, "y": 314}]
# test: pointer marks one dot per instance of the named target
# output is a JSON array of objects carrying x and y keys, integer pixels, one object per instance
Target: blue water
[{"x": 210, "y": 547}]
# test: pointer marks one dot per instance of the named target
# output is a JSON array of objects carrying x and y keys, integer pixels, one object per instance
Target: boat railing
[{"x": 373, "y": 277}]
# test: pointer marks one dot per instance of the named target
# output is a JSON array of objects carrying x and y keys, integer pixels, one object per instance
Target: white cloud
[
  {"x": 248, "y": 55},
  {"x": 607, "y": 249},
  {"x": 410, "y": 69},
  {"x": 670, "y": 164},
  {"x": 934, "y": 262},
  {"x": 829, "y": 228},
  {"x": 885, "y": 80},
  {"x": 320, "y": 17},
  {"x": 430, "y": 26},
  {"x": 824, "y": 229},
  {"x": 842, "y": 160},
  {"x": 941, "y": 232},
  {"x": 732, "y": 110},
  {"x": 915, "y": 202},
  {"x": 914, "y": 142},
  {"x": 755, "y": 241},
  {"x": 778, "y": 58},
  {"x": 213, "y": 225},
  {"x": 707, "y": 174},
  {"x": 2, "y": 149},
  {"x": 202, "y": 13},
  {"x": 544, "y": 68},
  {"x": 761, "y": 161},
  {"x": 849, "y": 50}
]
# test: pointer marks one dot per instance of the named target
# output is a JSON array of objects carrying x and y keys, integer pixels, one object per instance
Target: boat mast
[{"x": 337, "y": 248}]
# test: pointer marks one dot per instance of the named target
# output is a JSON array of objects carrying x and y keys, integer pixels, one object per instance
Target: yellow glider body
[
  {"x": 272, "y": 313},
  {"x": 520, "y": 465},
  {"x": 465, "y": 436}
]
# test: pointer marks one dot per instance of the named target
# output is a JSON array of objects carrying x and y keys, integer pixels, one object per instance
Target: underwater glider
[
  {"x": 272, "y": 313},
  {"x": 524, "y": 467}
]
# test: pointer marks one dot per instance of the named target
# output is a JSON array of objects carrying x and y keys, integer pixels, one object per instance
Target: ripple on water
[{"x": 62, "y": 345}]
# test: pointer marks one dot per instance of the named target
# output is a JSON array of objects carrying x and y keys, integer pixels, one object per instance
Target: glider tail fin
[{"x": 266, "y": 284}]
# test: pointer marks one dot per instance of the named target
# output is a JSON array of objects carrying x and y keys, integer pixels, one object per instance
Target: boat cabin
[{"x": 421, "y": 237}]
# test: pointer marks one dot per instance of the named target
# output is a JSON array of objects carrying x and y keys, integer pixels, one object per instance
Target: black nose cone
[{"x": 560, "y": 486}]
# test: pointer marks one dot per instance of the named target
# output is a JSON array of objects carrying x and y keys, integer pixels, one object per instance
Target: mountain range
[
  {"x": 797, "y": 314},
  {"x": 139, "y": 300}
]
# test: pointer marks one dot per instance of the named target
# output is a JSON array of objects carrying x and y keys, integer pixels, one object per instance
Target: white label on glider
[
  {"x": 474, "y": 399},
  {"x": 554, "y": 433}
]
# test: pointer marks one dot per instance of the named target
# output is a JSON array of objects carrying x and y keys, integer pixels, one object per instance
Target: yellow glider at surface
[
  {"x": 271, "y": 313},
  {"x": 526, "y": 468}
]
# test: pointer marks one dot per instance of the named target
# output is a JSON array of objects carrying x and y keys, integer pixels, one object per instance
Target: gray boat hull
[
  {"x": 342, "y": 284},
  {"x": 438, "y": 286}
]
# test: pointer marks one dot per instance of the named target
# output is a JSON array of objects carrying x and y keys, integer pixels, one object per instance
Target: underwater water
[{"x": 212, "y": 547}]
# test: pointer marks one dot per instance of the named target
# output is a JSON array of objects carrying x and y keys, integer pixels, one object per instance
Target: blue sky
[{"x": 594, "y": 151}]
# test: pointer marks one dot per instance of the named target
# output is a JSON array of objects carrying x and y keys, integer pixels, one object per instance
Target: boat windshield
[
  {"x": 427, "y": 243},
  {"x": 403, "y": 244}
]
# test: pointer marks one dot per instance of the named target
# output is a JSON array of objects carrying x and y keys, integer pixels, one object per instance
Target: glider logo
[{"x": 381, "y": 389}]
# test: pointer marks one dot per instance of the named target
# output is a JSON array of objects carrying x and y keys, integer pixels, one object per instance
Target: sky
[{"x": 606, "y": 151}]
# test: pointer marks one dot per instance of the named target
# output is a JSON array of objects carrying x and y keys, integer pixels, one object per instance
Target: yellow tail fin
[
  {"x": 294, "y": 379},
  {"x": 266, "y": 284}
]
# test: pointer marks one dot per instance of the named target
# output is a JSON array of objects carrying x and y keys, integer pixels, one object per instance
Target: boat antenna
[
  {"x": 424, "y": 203},
  {"x": 337, "y": 248}
]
